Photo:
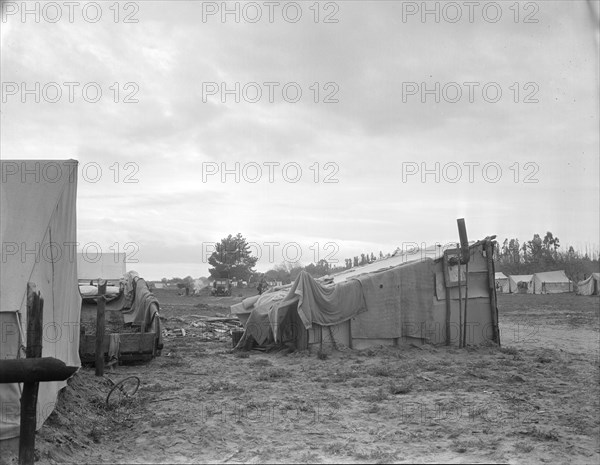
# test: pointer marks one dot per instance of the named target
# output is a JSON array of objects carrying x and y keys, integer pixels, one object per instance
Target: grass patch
[
  {"x": 509, "y": 350},
  {"x": 542, "y": 435},
  {"x": 377, "y": 395},
  {"x": 261, "y": 362},
  {"x": 322, "y": 355},
  {"x": 397, "y": 389},
  {"x": 272, "y": 373},
  {"x": 218, "y": 386},
  {"x": 381, "y": 370},
  {"x": 524, "y": 447}
]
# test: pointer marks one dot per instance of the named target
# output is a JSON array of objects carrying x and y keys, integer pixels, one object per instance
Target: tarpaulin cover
[
  {"x": 316, "y": 303},
  {"x": 38, "y": 217},
  {"x": 140, "y": 311},
  {"x": 325, "y": 304},
  {"x": 397, "y": 300}
]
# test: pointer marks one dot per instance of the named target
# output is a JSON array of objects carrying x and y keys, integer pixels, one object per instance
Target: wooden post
[
  {"x": 448, "y": 308},
  {"x": 35, "y": 315},
  {"x": 489, "y": 250},
  {"x": 460, "y": 320},
  {"x": 100, "y": 327},
  {"x": 466, "y": 303}
]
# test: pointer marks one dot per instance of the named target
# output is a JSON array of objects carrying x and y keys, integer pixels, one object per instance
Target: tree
[{"x": 232, "y": 258}]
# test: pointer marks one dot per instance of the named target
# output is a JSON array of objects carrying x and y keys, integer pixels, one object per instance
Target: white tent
[
  {"x": 91, "y": 266},
  {"x": 589, "y": 286},
  {"x": 551, "y": 282},
  {"x": 502, "y": 284},
  {"x": 526, "y": 286},
  {"x": 38, "y": 236}
]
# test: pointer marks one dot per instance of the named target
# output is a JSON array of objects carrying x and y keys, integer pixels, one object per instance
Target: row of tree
[
  {"x": 233, "y": 259},
  {"x": 543, "y": 254}
]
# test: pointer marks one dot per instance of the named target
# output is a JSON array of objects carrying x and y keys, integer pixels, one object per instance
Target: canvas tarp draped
[
  {"x": 316, "y": 303},
  {"x": 589, "y": 286},
  {"x": 141, "y": 309},
  {"x": 38, "y": 217}
]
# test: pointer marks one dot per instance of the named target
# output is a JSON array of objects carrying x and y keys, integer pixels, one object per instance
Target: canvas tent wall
[
  {"x": 383, "y": 303},
  {"x": 589, "y": 286},
  {"x": 520, "y": 283},
  {"x": 92, "y": 265},
  {"x": 551, "y": 282},
  {"x": 38, "y": 233},
  {"x": 502, "y": 284}
]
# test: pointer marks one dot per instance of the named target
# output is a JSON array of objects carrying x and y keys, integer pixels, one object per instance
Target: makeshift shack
[
  {"x": 37, "y": 232},
  {"x": 383, "y": 303},
  {"x": 589, "y": 286}
]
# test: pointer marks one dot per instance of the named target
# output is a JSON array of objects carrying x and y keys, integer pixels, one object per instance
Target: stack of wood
[{"x": 210, "y": 328}]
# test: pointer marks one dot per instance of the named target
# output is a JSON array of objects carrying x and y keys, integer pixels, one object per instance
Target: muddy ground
[{"x": 534, "y": 400}]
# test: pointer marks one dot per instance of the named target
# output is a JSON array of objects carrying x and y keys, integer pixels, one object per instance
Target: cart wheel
[{"x": 122, "y": 390}]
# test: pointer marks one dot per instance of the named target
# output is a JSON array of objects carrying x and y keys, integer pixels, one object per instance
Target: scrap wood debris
[{"x": 216, "y": 328}]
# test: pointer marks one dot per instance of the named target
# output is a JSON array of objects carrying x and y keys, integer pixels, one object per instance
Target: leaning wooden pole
[
  {"x": 466, "y": 303},
  {"x": 489, "y": 252},
  {"x": 100, "y": 327},
  {"x": 460, "y": 311},
  {"x": 448, "y": 303},
  {"x": 35, "y": 315}
]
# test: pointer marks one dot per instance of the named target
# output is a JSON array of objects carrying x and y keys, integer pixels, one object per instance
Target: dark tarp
[{"x": 316, "y": 303}]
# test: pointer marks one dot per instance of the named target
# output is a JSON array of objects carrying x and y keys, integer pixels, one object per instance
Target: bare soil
[{"x": 534, "y": 400}]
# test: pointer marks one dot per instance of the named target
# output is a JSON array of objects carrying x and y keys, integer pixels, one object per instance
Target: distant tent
[
  {"x": 502, "y": 284},
  {"x": 38, "y": 216},
  {"x": 199, "y": 284},
  {"x": 520, "y": 284},
  {"x": 589, "y": 286},
  {"x": 91, "y": 266},
  {"x": 551, "y": 282},
  {"x": 381, "y": 303}
]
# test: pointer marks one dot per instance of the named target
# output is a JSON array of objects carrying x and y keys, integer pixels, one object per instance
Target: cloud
[{"x": 542, "y": 128}]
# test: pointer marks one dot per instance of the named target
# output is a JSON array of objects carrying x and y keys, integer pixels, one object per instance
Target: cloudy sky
[{"x": 315, "y": 129}]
